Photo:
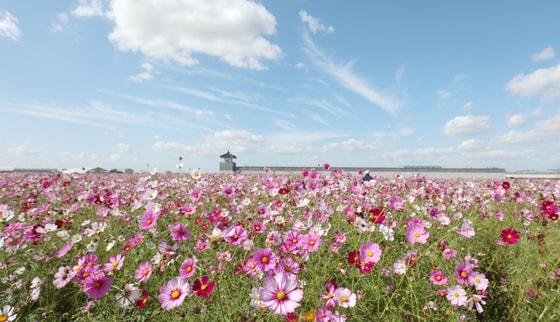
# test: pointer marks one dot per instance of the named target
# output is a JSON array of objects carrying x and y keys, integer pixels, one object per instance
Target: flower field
[{"x": 316, "y": 246}]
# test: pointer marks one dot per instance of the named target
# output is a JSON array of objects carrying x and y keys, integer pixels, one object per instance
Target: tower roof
[{"x": 228, "y": 155}]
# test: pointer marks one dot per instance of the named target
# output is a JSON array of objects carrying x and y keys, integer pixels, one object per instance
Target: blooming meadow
[{"x": 316, "y": 246}]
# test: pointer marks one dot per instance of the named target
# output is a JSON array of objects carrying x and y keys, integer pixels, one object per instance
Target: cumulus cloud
[
  {"x": 545, "y": 54},
  {"x": 231, "y": 30},
  {"x": 470, "y": 144},
  {"x": 547, "y": 130},
  {"x": 314, "y": 24},
  {"x": 123, "y": 148},
  {"x": 347, "y": 78},
  {"x": 9, "y": 26},
  {"x": 147, "y": 73},
  {"x": 516, "y": 120},
  {"x": 542, "y": 81},
  {"x": 467, "y": 124},
  {"x": 88, "y": 8}
]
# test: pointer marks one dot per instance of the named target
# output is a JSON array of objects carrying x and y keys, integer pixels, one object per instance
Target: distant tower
[{"x": 228, "y": 165}]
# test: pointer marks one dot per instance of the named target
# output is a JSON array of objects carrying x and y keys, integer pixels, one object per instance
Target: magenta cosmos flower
[
  {"x": 149, "y": 219},
  {"x": 180, "y": 232},
  {"x": 265, "y": 259},
  {"x": 280, "y": 293},
  {"x": 415, "y": 232},
  {"x": 172, "y": 294},
  {"x": 370, "y": 253},
  {"x": 438, "y": 278},
  {"x": 311, "y": 242},
  {"x": 463, "y": 272},
  {"x": 97, "y": 285},
  {"x": 143, "y": 272}
]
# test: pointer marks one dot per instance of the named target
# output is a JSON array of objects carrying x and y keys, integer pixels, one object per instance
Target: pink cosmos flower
[
  {"x": 143, "y": 272},
  {"x": 180, "y": 232},
  {"x": 265, "y": 259},
  {"x": 370, "y": 253},
  {"x": 415, "y": 232},
  {"x": 236, "y": 235},
  {"x": 311, "y": 242},
  {"x": 258, "y": 227},
  {"x": 64, "y": 249},
  {"x": 438, "y": 278},
  {"x": 172, "y": 294},
  {"x": 188, "y": 268},
  {"x": 449, "y": 254},
  {"x": 457, "y": 295},
  {"x": 115, "y": 263},
  {"x": 97, "y": 285},
  {"x": 329, "y": 295},
  {"x": 293, "y": 238},
  {"x": 149, "y": 219},
  {"x": 463, "y": 272},
  {"x": 280, "y": 293}
]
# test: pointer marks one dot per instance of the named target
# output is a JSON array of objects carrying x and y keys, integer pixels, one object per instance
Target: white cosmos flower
[{"x": 7, "y": 313}]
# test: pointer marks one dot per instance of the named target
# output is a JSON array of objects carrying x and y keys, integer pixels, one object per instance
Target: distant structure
[
  {"x": 228, "y": 165},
  {"x": 97, "y": 170},
  {"x": 27, "y": 170}
]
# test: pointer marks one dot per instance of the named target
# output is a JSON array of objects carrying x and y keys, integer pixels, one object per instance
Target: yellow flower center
[
  {"x": 149, "y": 222},
  {"x": 145, "y": 272},
  {"x": 115, "y": 264},
  {"x": 417, "y": 234},
  {"x": 456, "y": 294},
  {"x": 464, "y": 274},
  {"x": 310, "y": 315},
  {"x": 509, "y": 236},
  {"x": 312, "y": 242},
  {"x": 344, "y": 298},
  {"x": 175, "y": 294},
  {"x": 370, "y": 253},
  {"x": 438, "y": 277},
  {"x": 264, "y": 259},
  {"x": 294, "y": 241},
  {"x": 188, "y": 269},
  {"x": 203, "y": 287},
  {"x": 3, "y": 318},
  {"x": 281, "y": 295}
]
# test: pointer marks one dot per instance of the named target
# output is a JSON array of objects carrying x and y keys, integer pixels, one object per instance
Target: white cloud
[
  {"x": 194, "y": 92},
  {"x": 351, "y": 145},
  {"x": 89, "y": 8},
  {"x": 24, "y": 150},
  {"x": 547, "y": 130},
  {"x": 123, "y": 148},
  {"x": 231, "y": 30},
  {"x": 537, "y": 112},
  {"x": 9, "y": 26},
  {"x": 467, "y": 124},
  {"x": 61, "y": 23},
  {"x": 300, "y": 65},
  {"x": 347, "y": 78},
  {"x": 470, "y": 144},
  {"x": 545, "y": 54},
  {"x": 516, "y": 120},
  {"x": 468, "y": 105},
  {"x": 147, "y": 73},
  {"x": 545, "y": 80},
  {"x": 314, "y": 24}
]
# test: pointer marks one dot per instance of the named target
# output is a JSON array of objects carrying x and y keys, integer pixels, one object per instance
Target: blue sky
[{"x": 132, "y": 83}]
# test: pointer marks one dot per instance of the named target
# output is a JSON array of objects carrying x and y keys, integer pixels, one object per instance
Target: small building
[
  {"x": 97, "y": 170},
  {"x": 228, "y": 163}
]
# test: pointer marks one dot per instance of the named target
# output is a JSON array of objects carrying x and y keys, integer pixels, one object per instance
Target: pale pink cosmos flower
[
  {"x": 457, "y": 295},
  {"x": 345, "y": 298},
  {"x": 370, "y": 253},
  {"x": 180, "y": 232},
  {"x": 479, "y": 281},
  {"x": 172, "y": 294},
  {"x": 64, "y": 275},
  {"x": 143, "y": 272},
  {"x": 115, "y": 263},
  {"x": 280, "y": 293},
  {"x": 330, "y": 301},
  {"x": 415, "y": 232},
  {"x": 64, "y": 249},
  {"x": 188, "y": 268}
]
